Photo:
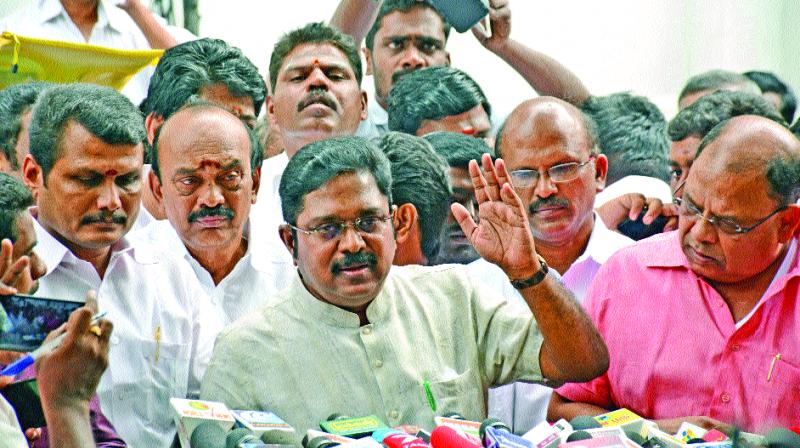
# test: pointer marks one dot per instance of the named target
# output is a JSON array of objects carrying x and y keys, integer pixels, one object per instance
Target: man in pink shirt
[{"x": 702, "y": 324}]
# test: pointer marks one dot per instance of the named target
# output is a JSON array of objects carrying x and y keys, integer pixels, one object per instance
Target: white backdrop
[{"x": 649, "y": 47}]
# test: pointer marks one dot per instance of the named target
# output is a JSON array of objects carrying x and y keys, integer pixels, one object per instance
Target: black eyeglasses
[
  {"x": 725, "y": 225},
  {"x": 563, "y": 172},
  {"x": 365, "y": 226}
]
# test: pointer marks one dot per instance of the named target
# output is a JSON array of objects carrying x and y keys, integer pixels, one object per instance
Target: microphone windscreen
[
  {"x": 578, "y": 435},
  {"x": 584, "y": 422},
  {"x": 492, "y": 423},
  {"x": 447, "y": 437},
  {"x": 237, "y": 436},
  {"x": 635, "y": 437},
  {"x": 207, "y": 435},
  {"x": 782, "y": 438},
  {"x": 320, "y": 442}
]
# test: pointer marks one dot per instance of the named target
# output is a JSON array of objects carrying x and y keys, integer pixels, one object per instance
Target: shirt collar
[
  {"x": 377, "y": 114},
  {"x": 107, "y": 14},
  {"x": 49, "y": 10},
  {"x": 602, "y": 243}
]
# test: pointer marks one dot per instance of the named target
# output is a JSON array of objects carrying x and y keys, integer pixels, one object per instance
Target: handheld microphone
[
  {"x": 190, "y": 414},
  {"x": 207, "y": 435},
  {"x": 500, "y": 438},
  {"x": 447, "y": 437},
  {"x": 583, "y": 422},
  {"x": 320, "y": 442},
  {"x": 545, "y": 436},
  {"x": 392, "y": 438},
  {"x": 266, "y": 425},
  {"x": 355, "y": 427},
  {"x": 579, "y": 435}
]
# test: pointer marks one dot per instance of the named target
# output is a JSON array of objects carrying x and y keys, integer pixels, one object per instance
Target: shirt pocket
[
  {"x": 149, "y": 375},
  {"x": 462, "y": 394},
  {"x": 779, "y": 391}
]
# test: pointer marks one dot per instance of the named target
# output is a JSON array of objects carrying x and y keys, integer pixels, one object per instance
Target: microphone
[
  {"x": 491, "y": 423},
  {"x": 267, "y": 426},
  {"x": 635, "y": 437},
  {"x": 207, "y": 435},
  {"x": 782, "y": 438},
  {"x": 458, "y": 422},
  {"x": 584, "y": 422},
  {"x": 579, "y": 435},
  {"x": 191, "y": 414},
  {"x": 392, "y": 438},
  {"x": 447, "y": 437},
  {"x": 320, "y": 442},
  {"x": 355, "y": 427},
  {"x": 242, "y": 438},
  {"x": 545, "y": 436}
]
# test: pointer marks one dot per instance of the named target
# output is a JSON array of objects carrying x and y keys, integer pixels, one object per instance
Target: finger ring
[{"x": 96, "y": 330}]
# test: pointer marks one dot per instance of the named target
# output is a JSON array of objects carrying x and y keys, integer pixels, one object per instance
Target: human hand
[
  {"x": 128, "y": 5},
  {"x": 69, "y": 375},
  {"x": 12, "y": 278},
  {"x": 629, "y": 206},
  {"x": 499, "y": 29},
  {"x": 502, "y": 235},
  {"x": 672, "y": 425}
]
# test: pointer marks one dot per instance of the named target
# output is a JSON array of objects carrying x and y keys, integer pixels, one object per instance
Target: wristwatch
[{"x": 533, "y": 280}]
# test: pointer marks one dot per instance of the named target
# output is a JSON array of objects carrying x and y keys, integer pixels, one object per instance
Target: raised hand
[
  {"x": 499, "y": 26},
  {"x": 11, "y": 271},
  {"x": 502, "y": 235}
]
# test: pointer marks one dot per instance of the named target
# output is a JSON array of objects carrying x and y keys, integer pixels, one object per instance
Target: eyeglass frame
[
  {"x": 578, "y": 166},
  {"x": 737, "y": 229},
  {"x": 342, "y": 225}
]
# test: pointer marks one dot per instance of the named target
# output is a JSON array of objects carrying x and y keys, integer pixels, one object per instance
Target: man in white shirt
[
  {"x": 315, "y": 74},
  {"x": 550, "y": 149},
  {"x": 129, "y": 26},
  {"x": 206, "y": 173},
  {"x": 85, "y": 169}
]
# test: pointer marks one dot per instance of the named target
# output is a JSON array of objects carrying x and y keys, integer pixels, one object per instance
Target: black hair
[
  {"x": 185, "y": 69},
  {"x": 419, "y": 177},
  {"x": 769, "y": 82},
  {"x": 709, "y": 111},
  {"x": 15, "y": 199},
  {"x": 714, "y": 80},
  {"x": 632, "y": 133},
  {"x": 313, "y": 33},
  {"x": 318, "y": 162},
  {"x": 432, "y": 93},
  {"x": 390, "y": 6},
  {"x": 458, "y": 149},
  {"x": 15, "y": 100},
  {"x": 103, "y": 111},
  {"x": 256, "y": 154}
]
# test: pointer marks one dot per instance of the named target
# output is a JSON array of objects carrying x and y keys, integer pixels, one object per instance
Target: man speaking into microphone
[{"x": 349, "y": 336}]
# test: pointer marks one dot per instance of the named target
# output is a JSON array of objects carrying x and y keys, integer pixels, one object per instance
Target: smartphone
[
  {"x": 23, "y": 396},
  {"x": 638, "y": 230},
  {"x": 26, "y": 320},
  {"x": 462, "y": 14}
]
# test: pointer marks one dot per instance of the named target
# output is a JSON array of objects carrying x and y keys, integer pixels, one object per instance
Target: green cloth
[{"x": 305, "y": 359}]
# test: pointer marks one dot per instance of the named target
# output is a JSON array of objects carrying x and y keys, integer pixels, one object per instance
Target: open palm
[{"x": 502, "y": 235}]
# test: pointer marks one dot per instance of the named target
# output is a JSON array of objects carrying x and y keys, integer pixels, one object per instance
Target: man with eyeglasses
[
  {"x": 701, "y": 323},
  {"x": 550, "y": 149},
  {"x": 349, "y": 336}
]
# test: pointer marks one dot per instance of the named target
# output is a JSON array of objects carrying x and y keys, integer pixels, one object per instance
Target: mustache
[
  {"x": 105, "y": 217},
  {"x": 355, "y": 259},
  {"x": 400, "y": 73},
  {"x": 317, "y": 96},
  {"x": 205, "y": 212},
  {"x": 546, "y": 202}
]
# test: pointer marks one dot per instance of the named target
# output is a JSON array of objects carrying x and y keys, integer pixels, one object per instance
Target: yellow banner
[{"x": 29, "y": 59}]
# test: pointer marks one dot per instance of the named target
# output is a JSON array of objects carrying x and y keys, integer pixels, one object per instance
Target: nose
[
  {"x": 413, "y": 59},
  {"x": 317, "y": 79},
  {"x": 212, "y": 196},
  {"x": 703, "y": 231},
  {"x": 109, "y": 197},
  {"x": 351, "y": 241},
  {"x": 545, "y": 187}
]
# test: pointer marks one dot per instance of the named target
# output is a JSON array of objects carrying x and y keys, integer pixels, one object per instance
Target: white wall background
[{"x": 649, "y": 47}]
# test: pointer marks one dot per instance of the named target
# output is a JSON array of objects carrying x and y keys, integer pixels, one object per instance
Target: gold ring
[{"x": 96, "y": 330}]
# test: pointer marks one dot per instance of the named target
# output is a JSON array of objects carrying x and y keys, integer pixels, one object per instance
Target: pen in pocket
[{"x": 775, "y": 359}]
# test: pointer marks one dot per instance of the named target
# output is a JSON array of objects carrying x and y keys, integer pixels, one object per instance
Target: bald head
[
  {"x": 753, "y": 145},
  {"x": 545, "y": 121}
]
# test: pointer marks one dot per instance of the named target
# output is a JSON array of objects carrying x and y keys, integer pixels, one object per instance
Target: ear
[
  {"x": 32, "y": 175},
  {"x": 270, "y": 108},
  {"x": 789, "y": 225},
  {"x": 447, "y": 55},
  {"x": 152, "y": 122},
  {"x": 285, "y": 232},
  {"x": 405, "y": 222},
  {"x": 600, "y": 171},
  {"x": 256, "y": 183},
  {"x": 367, "y": 61},
  {"x": 363, "y": 105},
  {"x": 155, "y": 187}
]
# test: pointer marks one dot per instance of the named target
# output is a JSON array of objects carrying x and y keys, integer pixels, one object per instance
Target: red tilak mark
[
  {"x": 316, "y": 62},
  {"x": 111, "y": 173},
  {"x": 468, "y": 131}
]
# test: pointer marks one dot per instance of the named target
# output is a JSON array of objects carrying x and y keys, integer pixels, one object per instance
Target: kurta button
[
  {"x": 735, "y": 347},
  {"x": 725, "y": 398},
  {"x": 366, "y": 330},
  {"x": 378, "y": 363},
  {"x": 394, "y": 414}
]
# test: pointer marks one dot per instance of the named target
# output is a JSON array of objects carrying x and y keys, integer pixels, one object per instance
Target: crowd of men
[{"x": 338, "y": 254}]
